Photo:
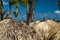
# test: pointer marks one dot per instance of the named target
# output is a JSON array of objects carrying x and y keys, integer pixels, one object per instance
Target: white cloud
[
  {"x": 5, "y": 3},
  {"x": 57, "y": 12}
]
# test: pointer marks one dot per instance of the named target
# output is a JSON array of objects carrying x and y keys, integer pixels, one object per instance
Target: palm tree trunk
[
  {"x": 10, "y": 10},
  {"x": 59, "y": 4},
  {"x": 27, "y": 16},
  {"x": 30, "y": 14},
  {"x": 1, "y": 10}
]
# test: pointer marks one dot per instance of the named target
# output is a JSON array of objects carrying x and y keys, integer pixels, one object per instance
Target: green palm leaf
[
  {"x": 24, "y": 2},
  {"x": 14, "y": 2},
  {"x": 16, "y": 12}
]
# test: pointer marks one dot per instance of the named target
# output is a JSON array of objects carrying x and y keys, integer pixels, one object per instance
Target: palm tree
[
  {"x": 16, "y": 3},
  {"x": 29, "y": 12},
  {"x": 1, "y": 9},
  {"x": 26, "y": 3},
  {"x": 31, "y": 9},
  {"x": 16, "y": 11},
  {"x": 59, "y": 4},
  {"x": 12, "y": 2}
]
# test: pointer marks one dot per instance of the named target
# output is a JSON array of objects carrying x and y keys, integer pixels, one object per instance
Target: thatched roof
[{"x": 13, "y": 30}]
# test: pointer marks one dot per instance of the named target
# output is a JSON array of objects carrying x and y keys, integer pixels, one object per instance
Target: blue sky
[{"x": 44, "y": 8}]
